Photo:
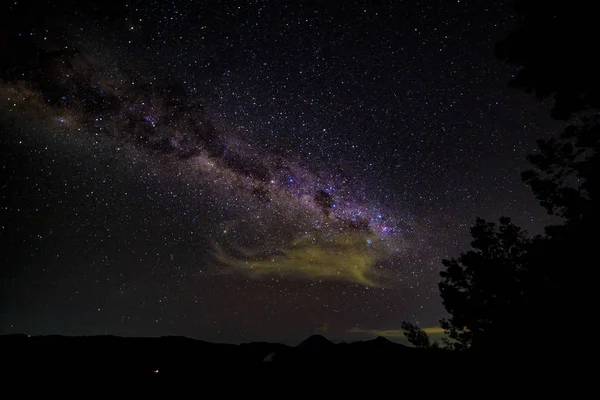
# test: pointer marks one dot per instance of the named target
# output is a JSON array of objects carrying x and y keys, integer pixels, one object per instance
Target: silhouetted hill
[
  {"x": 378, "y": 343},
  {"x": 103, "y": 356},
  {"x": 179, "y": 360},
  {"x": 316, "y": 342}
]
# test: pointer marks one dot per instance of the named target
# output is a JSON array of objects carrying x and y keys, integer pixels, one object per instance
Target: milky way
[
  {"x": 211, "y": 170},
  {"x": 337, "y": 233}
]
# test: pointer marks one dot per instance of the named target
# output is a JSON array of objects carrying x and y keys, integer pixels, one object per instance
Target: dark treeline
[{"x": 516, "y": 294}]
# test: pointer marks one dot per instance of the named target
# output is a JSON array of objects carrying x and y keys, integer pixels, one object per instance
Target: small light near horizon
[{"x": 155, "y": 371}]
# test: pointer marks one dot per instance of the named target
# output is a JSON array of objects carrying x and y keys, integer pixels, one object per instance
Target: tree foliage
[
  {"x": 553, "y": 44},
  {"x": 565, "y": 174},
  {"x": 509, "y": 287},
  {"x": 482, "y": 288},
  {"x": 416, "y": 336}
]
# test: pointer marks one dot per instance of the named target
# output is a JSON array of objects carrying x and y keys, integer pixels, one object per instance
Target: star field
[{"x": 238, "y": 171}]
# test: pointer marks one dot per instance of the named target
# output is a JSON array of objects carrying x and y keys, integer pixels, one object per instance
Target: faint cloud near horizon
[{"x": 396, "y": 333}]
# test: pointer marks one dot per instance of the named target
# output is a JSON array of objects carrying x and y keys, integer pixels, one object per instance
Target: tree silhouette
[
  {"x": 509, "y": 286},
  {"x": 416, "y": 336},
  {"x": 482, "y": 289},
  {"x": 564, "y": 178},
  {"x": 505, "y": 290},
  {"x": 565, "y": 181},
  {"x": 553, "y": 44}
]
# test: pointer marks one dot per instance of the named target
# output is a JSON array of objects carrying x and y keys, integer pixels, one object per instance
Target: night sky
[{"x": 243, "y": 171}]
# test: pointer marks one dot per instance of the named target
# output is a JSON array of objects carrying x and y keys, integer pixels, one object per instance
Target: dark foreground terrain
[{"x": 152, "y": 363}]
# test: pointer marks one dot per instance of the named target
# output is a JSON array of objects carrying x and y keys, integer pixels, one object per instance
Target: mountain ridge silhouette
[{"x": 166, "y": 361}]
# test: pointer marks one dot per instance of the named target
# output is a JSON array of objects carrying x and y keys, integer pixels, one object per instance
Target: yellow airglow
[
  {"x": 346, "y": 257},
  {"x": 395, "y": 333}
]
